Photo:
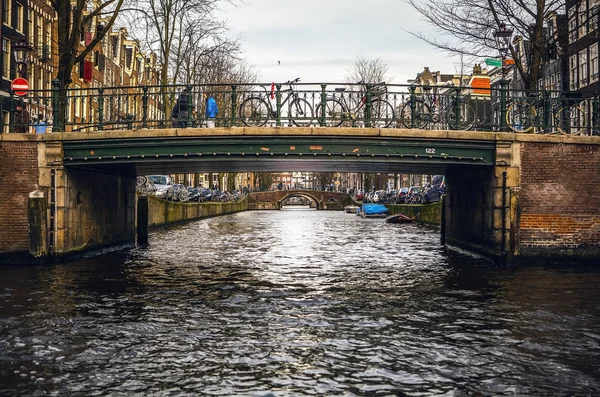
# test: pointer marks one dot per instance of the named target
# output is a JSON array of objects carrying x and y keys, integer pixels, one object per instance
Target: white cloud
[{"x": 318, "y": 40}]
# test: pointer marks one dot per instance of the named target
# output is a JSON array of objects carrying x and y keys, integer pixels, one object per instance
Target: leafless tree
[
  {"x": 170, "y": 28},
  {"x": 75, "y": 18},
  {"x": 265, "y": 180},
  {"x": 368, "y": 70},
  {"x": 324, "y": 179},
  {"x": 469, "y": 26}
]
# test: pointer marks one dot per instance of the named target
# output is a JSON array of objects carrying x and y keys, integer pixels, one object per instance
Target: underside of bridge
[{"x": 277, "y": 154}]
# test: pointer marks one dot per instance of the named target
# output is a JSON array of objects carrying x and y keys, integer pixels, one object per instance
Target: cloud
[{"x": 318, "y": 40}]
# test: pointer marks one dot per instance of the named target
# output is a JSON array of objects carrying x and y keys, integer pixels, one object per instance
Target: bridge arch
[{"x": 304, "y": 194}]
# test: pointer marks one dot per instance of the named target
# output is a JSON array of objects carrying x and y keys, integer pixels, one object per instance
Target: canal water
[{"x": 297, "y": 303}]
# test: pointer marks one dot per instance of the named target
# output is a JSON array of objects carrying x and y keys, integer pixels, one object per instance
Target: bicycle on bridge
[
  {"x": 438, "y": 111},
  {"x": 256, "y": 111},
  {"x": 555, "y": 113},
  {"x": 337, "y": 109}
]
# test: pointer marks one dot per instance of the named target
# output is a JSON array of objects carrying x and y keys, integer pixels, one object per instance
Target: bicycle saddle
[{"x": 340, "y": 89}]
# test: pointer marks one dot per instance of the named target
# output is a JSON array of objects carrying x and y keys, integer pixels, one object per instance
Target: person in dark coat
[
  {"x": 22, "y": 119},
  {"x": 181, "y": 110}
]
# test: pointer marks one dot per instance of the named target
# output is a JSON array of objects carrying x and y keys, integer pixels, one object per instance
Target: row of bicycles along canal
[
  {"x": 562, "y": 114},
  {"x": 181, "y": 193}
]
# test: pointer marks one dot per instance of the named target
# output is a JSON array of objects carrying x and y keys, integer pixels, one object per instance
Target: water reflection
[{"x": 297, "y": 302}]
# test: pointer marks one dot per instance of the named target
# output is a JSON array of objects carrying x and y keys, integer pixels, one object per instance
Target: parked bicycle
[
  {"x": 429, "y": 112},
  {"x": 256, "y": 111},
  {"x": 337, "y": 109},
  {"x": 144, "y": 185},
  {"x": 526, "y": 114}
]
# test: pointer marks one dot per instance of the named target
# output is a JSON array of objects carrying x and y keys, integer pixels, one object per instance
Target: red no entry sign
[{"x": 20, "y": 86}]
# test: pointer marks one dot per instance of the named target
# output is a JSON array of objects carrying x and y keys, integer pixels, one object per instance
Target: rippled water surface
[{"x": 297, "y": 303}]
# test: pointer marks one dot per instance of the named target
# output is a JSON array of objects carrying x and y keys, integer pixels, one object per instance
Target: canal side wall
[
  {"x": 163, "y": 212},
  {"x": 559, "y": 200},
  {"x": 430, "y": 214},
  {"x": 18, "y": 177}
]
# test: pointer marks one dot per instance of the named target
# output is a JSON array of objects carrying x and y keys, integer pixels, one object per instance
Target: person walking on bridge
[
  {"x": 211, "y": 112},
  {"x": 181, "y": 110},
  {"x": 22, "y": 119}
]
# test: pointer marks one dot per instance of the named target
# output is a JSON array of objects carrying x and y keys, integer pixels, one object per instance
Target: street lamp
[
  {"x": 21, "y": 50},
  {"x": 502, "y": 36}
]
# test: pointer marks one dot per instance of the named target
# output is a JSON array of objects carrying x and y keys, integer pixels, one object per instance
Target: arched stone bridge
[{"x": 273, "y": 200}]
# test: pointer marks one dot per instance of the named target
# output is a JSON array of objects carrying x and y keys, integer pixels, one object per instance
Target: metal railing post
[
  {"x": 11, "y": 120},
  {"x": 188, "y": 91},
  {"x": 100, "y": 109},
  {"x": 56, "y": 121},
  {"x": 595, "y": 110},
  {"x": 413, "y": 107},
  {"x": 457, "y": 108},
  {"x": 145, "y": 107},
  {"x": 233, "y": 105},
  {"x": 547, "y": 113},
  {"x": 323, "y": 104},
  {"x": 368, "y": 107},
  {"x": 278, "y": 99},
  {"x": 503, "y": 97}
]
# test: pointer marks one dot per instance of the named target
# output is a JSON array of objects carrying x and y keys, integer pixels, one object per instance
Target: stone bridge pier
[
  {"x": 81, "y": 209},
  {"x": 540, "y": 200}
]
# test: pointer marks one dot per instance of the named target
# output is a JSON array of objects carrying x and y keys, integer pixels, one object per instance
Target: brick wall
[
  {"x": 560, "y": 197},
  {"x": 18, "y": 177}
]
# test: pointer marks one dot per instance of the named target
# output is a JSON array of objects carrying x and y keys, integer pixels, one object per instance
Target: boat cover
[{"x": 374, "y": 209}]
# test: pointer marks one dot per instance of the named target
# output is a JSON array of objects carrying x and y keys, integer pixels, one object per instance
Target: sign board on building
[{"x": 20, "y": 86}]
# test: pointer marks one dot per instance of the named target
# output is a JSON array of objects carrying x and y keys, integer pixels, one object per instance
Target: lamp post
[
  {"x": 502, "y": 37},
  {"x": 21, "y": 50}
]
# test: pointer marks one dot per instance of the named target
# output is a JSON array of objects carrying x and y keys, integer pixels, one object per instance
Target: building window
[
  {"x": 582, "y": 21},
  {"x": 583, "y": 69},
  {"x": 594, "y": 62},
  {"x": 48, "y": 38},
  {"x": 5, "y": 59},
  {"x": 30, "y": 24},
  {"x": 593, "y": 15},
  {"x": 573, "y": 72},
  {"x": 6, "y": 12},
  {"x": 572, "y": 25},
  {"x": 19, "y": 24}
]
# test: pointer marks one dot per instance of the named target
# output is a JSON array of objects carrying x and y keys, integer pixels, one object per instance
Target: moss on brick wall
[
  {"x": 428, "y": 213},
  {"x": 163, "y": 212}
]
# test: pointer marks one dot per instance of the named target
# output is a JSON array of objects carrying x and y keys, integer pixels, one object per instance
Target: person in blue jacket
[{"x": 211, "y": 112}]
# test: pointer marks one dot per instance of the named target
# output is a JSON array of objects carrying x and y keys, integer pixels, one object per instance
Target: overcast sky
[{"x": 318, "y": 40}]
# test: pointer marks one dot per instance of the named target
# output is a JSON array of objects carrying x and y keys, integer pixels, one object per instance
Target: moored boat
[
  {"x": 400, "y": 218},
  {"x": 373, "y": 211}
]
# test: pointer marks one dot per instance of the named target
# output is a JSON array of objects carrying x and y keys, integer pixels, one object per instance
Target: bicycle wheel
[
  {"x": 466, "y": 120},
  {"x": 254, "y": 112},
  {"x": 570, "y": 120},
  {"x": 334, "y": 112},
  {"x": 520, "y": 117},
  {"x": 422, "y": 115},
  {"x": 382, "y": 113},
  {"x": 301, "y": 112}
]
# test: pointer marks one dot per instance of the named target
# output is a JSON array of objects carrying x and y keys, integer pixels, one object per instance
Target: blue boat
[{"x": 373, "y": 211}]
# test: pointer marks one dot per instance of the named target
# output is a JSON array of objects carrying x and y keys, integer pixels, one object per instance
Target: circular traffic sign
[{"x": 20, "y": 86}]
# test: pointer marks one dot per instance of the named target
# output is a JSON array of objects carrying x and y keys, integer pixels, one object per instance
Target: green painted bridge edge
[{"x": 106, "y": 151}]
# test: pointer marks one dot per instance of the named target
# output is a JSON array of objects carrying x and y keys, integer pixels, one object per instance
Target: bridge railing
[{"x": 496, "y": 108}]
